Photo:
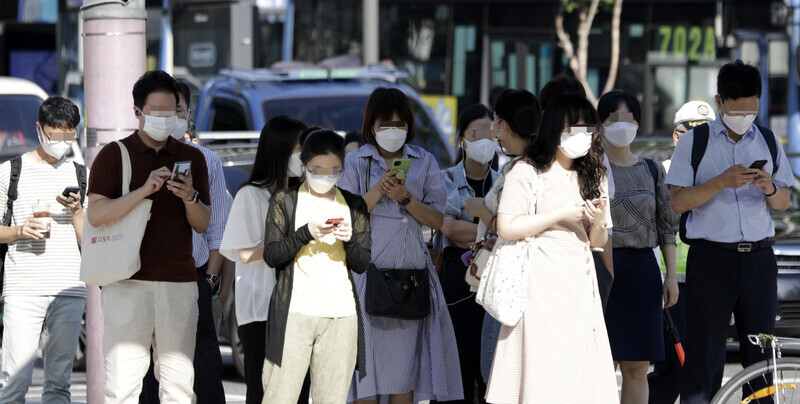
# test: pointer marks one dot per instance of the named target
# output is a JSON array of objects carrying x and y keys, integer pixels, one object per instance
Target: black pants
[
  {"x": 467, "y": 318},
  {"x": 720, "y": 281},
  {"x": 604, "y": 279},
  {"x": 253, "y": 337},
  {"x": 207, "y": 359}
]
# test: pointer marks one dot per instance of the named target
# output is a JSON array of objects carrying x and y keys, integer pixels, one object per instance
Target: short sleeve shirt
[{"x": 166, "y": 251}]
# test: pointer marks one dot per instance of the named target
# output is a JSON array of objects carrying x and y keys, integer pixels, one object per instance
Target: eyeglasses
[{"x": 59, "y": 136}]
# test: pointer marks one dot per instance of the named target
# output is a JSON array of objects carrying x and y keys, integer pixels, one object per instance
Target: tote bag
[
  {"x": 110, "y": 252},
  {"x": 503, "y": 287}
]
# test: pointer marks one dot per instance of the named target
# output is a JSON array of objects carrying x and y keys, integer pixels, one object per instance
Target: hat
[{"x": 695, "y": 112}]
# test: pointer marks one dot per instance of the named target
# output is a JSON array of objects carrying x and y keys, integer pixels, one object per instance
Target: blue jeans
[
  {"x": 489, "y": 336},
  {"x": 26, "y": 319}
]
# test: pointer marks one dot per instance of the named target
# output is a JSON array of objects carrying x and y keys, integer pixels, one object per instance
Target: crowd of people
[{"x": 340, "y": 297}]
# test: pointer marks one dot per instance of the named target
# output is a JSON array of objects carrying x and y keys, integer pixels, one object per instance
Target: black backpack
[
  {"x": 699, "y": 145},
  {"x": 16, "y": 167}
]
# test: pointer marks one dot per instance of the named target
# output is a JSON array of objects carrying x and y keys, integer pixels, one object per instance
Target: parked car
[{"x": 787, "y": 245}]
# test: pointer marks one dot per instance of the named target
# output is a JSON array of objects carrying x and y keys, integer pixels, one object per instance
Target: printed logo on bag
[{"x": 104, "y": 239}]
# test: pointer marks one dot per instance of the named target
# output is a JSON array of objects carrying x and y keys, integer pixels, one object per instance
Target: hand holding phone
[
  {"x": 182, "y": 168},
  {"x": 758, "y": 164},
  {"x": 335, "y": 222},
  {"x": 68, "y": 191},
  {"x": 404, "y": 165}
]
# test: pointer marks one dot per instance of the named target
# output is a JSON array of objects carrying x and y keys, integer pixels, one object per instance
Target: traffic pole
[
  {"x": 793, "y": 124},
  {"x": 114, "y": 50}
]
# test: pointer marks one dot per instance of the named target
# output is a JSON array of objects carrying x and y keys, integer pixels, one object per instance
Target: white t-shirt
[
  {"x": 49, "y": 267},
  {"x": 245, "y": 229}
]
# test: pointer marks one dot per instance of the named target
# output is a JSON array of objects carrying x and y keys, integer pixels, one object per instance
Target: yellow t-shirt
[{"x": 321, "y": 286}]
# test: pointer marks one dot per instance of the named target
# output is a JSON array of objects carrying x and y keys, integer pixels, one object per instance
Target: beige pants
[
  {"x": 138, "y": 314},
  {"x": 328, "y": 346}
]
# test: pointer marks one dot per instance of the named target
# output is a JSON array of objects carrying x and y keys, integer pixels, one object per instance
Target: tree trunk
[{"x": 613, "y": 69}]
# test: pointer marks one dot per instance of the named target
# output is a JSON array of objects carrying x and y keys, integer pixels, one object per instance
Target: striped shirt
[
  {"x": 48, "y": 267},
  {"x": 212, "y": 238}
]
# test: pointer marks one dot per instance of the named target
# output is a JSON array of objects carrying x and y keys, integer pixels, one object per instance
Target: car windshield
[
  {"x": 347, "y": 113},
  {"x": 18, "y": 116}
]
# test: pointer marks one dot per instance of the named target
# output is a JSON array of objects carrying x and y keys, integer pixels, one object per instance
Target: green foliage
[{"x": 572, "y": 5}]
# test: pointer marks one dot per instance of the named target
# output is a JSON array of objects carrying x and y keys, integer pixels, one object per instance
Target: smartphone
[
  {"x": 68, "y": 191},
  {"x": 335, "y": 222},
  {"x": 758, "y": 164},
  {"x": 404, "y": 165},
  {"x": 596, "y": 201},
  {"x": 182, "y": 168}
]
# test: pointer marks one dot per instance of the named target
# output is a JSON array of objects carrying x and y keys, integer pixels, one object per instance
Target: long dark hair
[
  {"x": 471, "y": 113},
  {"x": 571, "y": 108},
  {"x": 520, "y": 109},
  {"x": 278, "y": 139}
]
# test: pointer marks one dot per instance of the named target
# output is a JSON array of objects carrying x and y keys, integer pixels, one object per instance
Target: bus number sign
[{"x": 693, "y": 43}]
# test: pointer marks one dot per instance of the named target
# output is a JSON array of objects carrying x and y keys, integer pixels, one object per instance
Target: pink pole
[{"x": 114, "y": 58}]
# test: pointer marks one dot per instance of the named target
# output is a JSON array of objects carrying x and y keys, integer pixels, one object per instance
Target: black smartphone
[
  {"x": 758, "y": 164},
  {"x": 70, "y": 190}
]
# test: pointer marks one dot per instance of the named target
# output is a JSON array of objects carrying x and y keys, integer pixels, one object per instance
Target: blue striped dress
[{"x": 404, "y": 355}]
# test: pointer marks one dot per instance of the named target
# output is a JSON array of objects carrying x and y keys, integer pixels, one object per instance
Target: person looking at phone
[
  {"x": 731, "y": 266},
  {"x": 243, "y": 242},
  {"x": 563, "y": 170},
  {"x": 316, "y": 237},
  {"x": 208, "y": 263},
  {"x": 42, "y": 288},
  {"x": 158, "y": 306},
  {"x": 644, "y": 220},
  {"x": 397, "y": 350}
]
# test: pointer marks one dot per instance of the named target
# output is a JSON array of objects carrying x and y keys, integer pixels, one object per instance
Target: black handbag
[{"x": 398, "y": 293}]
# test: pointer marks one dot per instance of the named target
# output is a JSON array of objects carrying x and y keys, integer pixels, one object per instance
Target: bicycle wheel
[{"x": 754, "y": 384}]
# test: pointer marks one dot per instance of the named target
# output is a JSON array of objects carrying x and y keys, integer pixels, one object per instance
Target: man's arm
[
  {"x": 219, "y": 215},
  {"x": 684, "y": 199},
  {"x": 104, "y": 210}
]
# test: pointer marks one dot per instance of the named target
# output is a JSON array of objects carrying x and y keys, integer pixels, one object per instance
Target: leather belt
[{"x": 743, "y": 247}]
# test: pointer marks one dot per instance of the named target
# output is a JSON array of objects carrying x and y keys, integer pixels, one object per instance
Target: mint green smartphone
[{"x": 404, "y": 165}]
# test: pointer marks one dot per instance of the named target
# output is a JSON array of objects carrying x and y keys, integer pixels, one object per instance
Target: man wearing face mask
[
  {"x": 731, "y": 266},
  {"x": 42, "y": 291},
  {"x": 158, "y": 306},
  {"x": 213, "y": 292}
]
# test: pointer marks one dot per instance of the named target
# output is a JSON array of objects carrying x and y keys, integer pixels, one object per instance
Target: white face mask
[
  {"x": 295, "y": 166},
  {"x": 575, "y": 145},
  {"x": 160, "y": 128},
  {"x": 621, "y": 134},
  {"x": 481, "y": 150},
  {"x": 391, "y": 139},
  {"x": 55, "y": 149},
  {"x": 180, "y": 130},
  {"x": 321, "y": 183},
  {"x": 738, "y": 124}
]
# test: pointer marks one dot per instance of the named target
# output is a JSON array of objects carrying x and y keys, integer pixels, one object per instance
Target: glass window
[
  {"x": 325, "y": 28},
  {"x": 18, "y": 115},
  {"x": 670, "y": 94},
  {"x": 228, "y": 115}
]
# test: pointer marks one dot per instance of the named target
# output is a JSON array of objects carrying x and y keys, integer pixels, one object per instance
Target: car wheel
[
  {"x": 79, "y": 363},
  {"x": 236, "y": 343}
]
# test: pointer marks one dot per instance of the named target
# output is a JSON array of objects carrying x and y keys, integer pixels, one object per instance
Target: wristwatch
[
  {"x": 405, "y": 201},
  {"x": 213, "y": 281},
  {"x": 195, "y": 199},
  {"x": 774, "y": 191}
]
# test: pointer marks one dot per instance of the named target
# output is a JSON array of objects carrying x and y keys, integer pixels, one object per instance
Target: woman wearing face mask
[
  {"x": 471, "y": 177},
  {"x": 316, "y": 235},
  {"x": 643, "y": 219},
  {"x": 243, "y": 242},
  {"x": 516, "y": 119},
  {"x": 409, "y": 360},
  {"x": 561, "y": 337}
]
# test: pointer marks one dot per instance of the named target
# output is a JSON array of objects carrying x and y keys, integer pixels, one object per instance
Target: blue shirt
[
  {"x": 212, "y": 238},
  {"x": 458, "y": 191},
  {"x": 732, "y": 215}
]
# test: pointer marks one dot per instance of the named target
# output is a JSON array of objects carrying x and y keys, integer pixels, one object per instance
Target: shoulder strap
[
  {"x": 769, "y": 137},
  {"x": 16, "y": 168},
  {"x": 369, "y": 172},
  {"x": 699, "y": 145},
  {"x": 80, "y": 172},
  {"x": 126, "y": 167}
]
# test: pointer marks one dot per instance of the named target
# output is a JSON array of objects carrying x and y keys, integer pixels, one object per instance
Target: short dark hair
[
  {"x": 185, "y": 92},
  {"x": 320, "y": 142},
  {"x": 611, "y": 101},
  {"x": 59, "y": 112},
  {"x": 561, "y": 84},
  {"x": 493, "y": 93},
  {"x": 520, "y": 109},
  {"x": 156, "y": 81},
  {"x": 307, "y": 131},
  {"x": 469, "y": 114},
  {"x": 353, "y": 136},
  {"x": 278, "y": 139},
  {"x": 737, "y": 80},
  {"x": 382, "y": 104}
]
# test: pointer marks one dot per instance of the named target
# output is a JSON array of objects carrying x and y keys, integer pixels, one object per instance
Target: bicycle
[{"x": 773, "y": 380}]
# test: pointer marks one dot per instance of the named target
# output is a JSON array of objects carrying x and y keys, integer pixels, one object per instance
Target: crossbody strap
[{"x": 16, "y": 168}]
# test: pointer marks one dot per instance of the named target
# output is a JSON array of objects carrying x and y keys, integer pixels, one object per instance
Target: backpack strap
[
  {"x": 80, "y": 172},
  {"x": 651, "y": 165},
  {"x": 769, "y": 137},
  {"x": 16, "y": 168},
  {"x": 699, "y": 145}
]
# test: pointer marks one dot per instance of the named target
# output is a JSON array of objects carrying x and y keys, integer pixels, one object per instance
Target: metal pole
[
  {"x": 114, "y": 57},
  {"x": 371, "y": 14},
  {"x": 165, "y": 58},
  {"x": 793, "y": 127},
  {"x": 288, "y": 32}
]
